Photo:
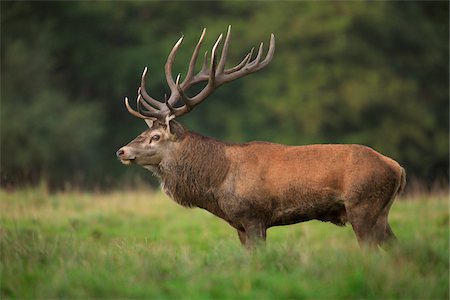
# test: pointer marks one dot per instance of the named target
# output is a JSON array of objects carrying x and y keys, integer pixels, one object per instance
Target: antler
[{"x": 214, "y": 73}]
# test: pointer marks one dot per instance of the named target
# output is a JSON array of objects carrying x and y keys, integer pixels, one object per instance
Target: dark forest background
[{"x": 373, "y": 73}]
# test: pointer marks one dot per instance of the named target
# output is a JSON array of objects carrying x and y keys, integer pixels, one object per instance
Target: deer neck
[{"x": 192, "y": 176}]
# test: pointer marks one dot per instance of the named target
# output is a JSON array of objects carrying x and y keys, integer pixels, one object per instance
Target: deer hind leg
[
  {"x": 368, "y": 215},
  {"x": 382, "y": 229},
  {"x": 362, "y": 223}
]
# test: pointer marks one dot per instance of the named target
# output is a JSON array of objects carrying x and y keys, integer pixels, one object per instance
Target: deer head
[{"x": 164, "y": 134}]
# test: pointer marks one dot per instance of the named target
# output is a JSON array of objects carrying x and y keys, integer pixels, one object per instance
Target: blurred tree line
[{"x": 373, "y": 73}]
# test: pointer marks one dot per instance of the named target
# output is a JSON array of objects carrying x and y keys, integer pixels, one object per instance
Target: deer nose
[{"x": 120, "y": 152}]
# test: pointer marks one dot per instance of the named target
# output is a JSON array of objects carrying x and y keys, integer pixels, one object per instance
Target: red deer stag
[{"x": 257, "y": 185}]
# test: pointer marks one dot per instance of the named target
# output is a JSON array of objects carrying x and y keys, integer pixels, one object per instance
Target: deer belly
[{"x": 326, "y": 206}]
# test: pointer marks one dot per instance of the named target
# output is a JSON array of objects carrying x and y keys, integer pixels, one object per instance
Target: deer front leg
[
  {"x": 242, "y": 237},
  {"x": 254, "y": 234}
]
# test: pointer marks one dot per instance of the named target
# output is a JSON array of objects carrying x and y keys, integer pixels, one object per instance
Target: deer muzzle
[{"x": 125, "y": 155}]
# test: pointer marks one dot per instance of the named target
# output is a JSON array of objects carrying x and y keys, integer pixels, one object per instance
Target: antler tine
[
  {"x": 185, "y": 98},
  {"x": 144, "y": 93},
  {"x": 205, "y": 72},
  {"x": 143, "y": 114},
  {"x": 241, "y": 64},
  {"x": 213, "y": 68},
  {"x": 190, "y": 72},
  {"x": 141, "y": 101},
  {"x": 270, "y": 53},
  {"x": 168, "y": 67},
  {"x": 132, "y": 111},
  {"x": 191, "y": 102},
  {"x": 223, "y": 57},
  {"x": 252, "y": 66},
  {"x": 204, "y": 69},
  {"x": 211, "y": 85},
  {"x": 172, "y": 109},
  {"x": 258, "y": 56}
]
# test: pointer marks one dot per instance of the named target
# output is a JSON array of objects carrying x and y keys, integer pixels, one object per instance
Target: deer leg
[
  {"x": 363, "y": 220},
  {"x": 382, "y": 230},
  {"x": 363, "y": 233},
  {"x": 242, "y": 237},
  {"x": 255, "y": 234},
  {"x": 371, "y": 228},
  {"x": 368, "y": 212},
  {"x": 389, "y": 235}
]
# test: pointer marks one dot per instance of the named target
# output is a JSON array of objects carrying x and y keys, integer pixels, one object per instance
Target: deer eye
[{"x": 155, "y": 138}]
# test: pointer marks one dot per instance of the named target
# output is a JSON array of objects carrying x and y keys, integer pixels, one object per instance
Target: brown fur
[{"x": 258, "y": 185}]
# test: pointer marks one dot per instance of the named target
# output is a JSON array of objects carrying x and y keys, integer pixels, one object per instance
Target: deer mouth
[{"x": 127, "y": 161}]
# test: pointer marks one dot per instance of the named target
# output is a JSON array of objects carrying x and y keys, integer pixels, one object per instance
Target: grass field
[{"x": 142, "y": 245}]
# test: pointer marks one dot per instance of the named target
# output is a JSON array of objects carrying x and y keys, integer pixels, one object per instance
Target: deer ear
[
  {"x": 149, "y": 122},
  {"x": 176, "y": 128}
]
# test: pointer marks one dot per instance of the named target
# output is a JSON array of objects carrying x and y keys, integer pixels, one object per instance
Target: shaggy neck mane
[{"x": 195, "y": 172}]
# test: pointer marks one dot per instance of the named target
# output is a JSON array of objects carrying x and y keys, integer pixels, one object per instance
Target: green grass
[{"x": 142, "y": 245}]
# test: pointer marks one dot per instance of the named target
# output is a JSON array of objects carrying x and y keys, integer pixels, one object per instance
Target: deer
[{"x": 257, "y": 185}]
